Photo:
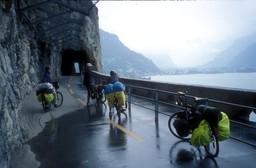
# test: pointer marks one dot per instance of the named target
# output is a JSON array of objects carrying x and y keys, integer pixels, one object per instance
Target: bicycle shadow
[
  {"x": 183, "y": 154},
  {"x": 123, "y": 116},
  {"x": 117, "y": 138},
  {"x": 96, "y": 110}
]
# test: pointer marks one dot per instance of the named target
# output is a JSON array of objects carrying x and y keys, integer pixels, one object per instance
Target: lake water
[
  {"x": 230, "y": 80},
  {"x": 245, "y": 81}
]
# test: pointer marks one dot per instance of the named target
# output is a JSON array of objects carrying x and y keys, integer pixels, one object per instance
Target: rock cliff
[{"x": 23, "y": 55}]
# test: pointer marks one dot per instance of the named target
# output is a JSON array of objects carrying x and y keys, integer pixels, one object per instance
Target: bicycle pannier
[
  {"x": 224, "y": 127},
  {"x": 182, "y": 127},
  {"x": 201, "y": 136},
  {"x": 48, "y": 97},
  {"x": 39, "y": 97}
]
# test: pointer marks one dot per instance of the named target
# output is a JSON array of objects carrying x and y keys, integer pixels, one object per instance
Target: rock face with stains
[{"x": 23, "y": 55}]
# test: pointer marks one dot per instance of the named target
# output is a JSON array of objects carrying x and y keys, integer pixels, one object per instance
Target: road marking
[
  {"x": 81, "y": 101},
  {"x": 112, "y": 122},
  {"x": 70, "y": 90},
  {"x": 125, "y": 130}
]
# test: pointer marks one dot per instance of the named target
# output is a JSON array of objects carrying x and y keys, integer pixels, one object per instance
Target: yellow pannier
[
  {"x": 201, "y": 136},
  {"x": 48, "y": 97},
  {"x": 224, "y": 127}
]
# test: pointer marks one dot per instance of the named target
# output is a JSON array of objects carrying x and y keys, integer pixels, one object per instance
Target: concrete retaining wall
[{"x": 238, "y": 104}]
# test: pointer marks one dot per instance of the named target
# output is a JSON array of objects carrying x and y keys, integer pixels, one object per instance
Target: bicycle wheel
[
  {"x": 213, "y": 148},
  {"x": 119, "y": 111},
  {"x": 59, "y": 98},
  {"x": 172, "y": 119},
  {"x": 102, "y": 98},
  {"x": 124, "y": 113}
]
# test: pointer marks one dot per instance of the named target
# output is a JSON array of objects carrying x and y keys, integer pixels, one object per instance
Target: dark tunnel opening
[{"x": 72, "y": 62}]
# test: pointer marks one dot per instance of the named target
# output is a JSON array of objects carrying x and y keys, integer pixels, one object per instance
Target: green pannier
[
  {"x": 224, "y": 127},
  {"x": 201, "y": 136},
  {"x": 48, "y": 97}
]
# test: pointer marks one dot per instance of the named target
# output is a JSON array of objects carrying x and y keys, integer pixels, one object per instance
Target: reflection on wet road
[{"x": 84, "y": 138}]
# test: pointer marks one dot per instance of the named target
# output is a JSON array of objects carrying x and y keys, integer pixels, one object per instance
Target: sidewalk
[{"x": 34, "y": 119}]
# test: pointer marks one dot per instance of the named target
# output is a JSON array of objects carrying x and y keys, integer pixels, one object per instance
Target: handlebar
[{"x": 183, "y": 100}]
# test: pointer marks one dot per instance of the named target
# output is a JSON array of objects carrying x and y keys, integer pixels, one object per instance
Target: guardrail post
[{"x": 156, "y": 106}]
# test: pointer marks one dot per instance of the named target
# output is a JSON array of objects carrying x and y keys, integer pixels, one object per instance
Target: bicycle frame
[
  {"x": 213, "y": 148},
  {"x": 118, "y": 109},
  {"x": 98, "y": 95},
  {"x": 95, "y": 94}
]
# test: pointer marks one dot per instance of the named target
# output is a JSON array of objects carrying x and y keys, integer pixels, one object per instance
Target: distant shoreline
[{"x": 239, "y": 80}]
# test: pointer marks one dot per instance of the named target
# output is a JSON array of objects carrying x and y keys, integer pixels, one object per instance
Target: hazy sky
[{"x": 189, "y": 32}]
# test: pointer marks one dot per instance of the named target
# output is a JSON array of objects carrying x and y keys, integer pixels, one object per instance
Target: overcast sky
[{"x": 190, "y": 32}]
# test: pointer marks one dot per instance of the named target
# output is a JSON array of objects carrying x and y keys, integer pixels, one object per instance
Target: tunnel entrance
[{"x": 72, "y": 62}]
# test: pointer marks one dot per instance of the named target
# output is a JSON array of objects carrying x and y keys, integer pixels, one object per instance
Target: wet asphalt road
[{"x": 83, "y": 138}]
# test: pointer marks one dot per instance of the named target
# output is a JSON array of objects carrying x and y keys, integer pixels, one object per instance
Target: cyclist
[
  {"x": 88, "y": 82},
  {"x": 118, "y": 89},
  {"x": 47, "y": 79},
  {"x": 47, "y": 75},
  {"x": 114, "y": 77}
]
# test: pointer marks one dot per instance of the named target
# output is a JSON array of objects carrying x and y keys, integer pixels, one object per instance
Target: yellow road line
[
  {"x": 81, "y": 101},
  {"x": 112, "y": 122},
  {"x": 125, "y": 130},
  {"x": 70, "y": 90}
]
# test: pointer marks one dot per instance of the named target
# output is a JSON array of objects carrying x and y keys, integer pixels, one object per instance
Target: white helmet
[{"x": 88, "y": 65}]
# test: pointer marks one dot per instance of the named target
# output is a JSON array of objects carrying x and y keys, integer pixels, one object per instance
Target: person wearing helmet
[
  {"x": 114, "y": 77},
  {"x": 48, "y": 79},
  {"x": 118, "y": 89},
  {"x": 47, "y": 75},
  {"x": 88, "y": 82},
  {"x": 89, "y": 66}
]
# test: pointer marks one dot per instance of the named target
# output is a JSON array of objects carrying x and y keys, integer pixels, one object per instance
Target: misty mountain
[
  {"x": 246, "y": 58},
  {"x": 241, "y": 55},
  {"x": 163, "y": 61},
  {"x": 116, "y": 56}
]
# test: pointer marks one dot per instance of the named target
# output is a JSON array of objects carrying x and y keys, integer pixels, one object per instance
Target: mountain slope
[
  {"x": 116, "y": 56},
  {"x": 246, "y": 58},
  {"x": 241, "y": 55}
]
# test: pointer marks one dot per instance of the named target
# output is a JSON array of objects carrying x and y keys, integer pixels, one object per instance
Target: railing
[
  {"x": 243, "y": 129},
  {"x": 176, "y": 108}
]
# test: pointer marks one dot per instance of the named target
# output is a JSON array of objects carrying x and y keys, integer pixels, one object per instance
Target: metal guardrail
[
  {"x": 157, "y": 103},
  {"x": 245, "y": 127},
  {"x": 157, "y": 91}
]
